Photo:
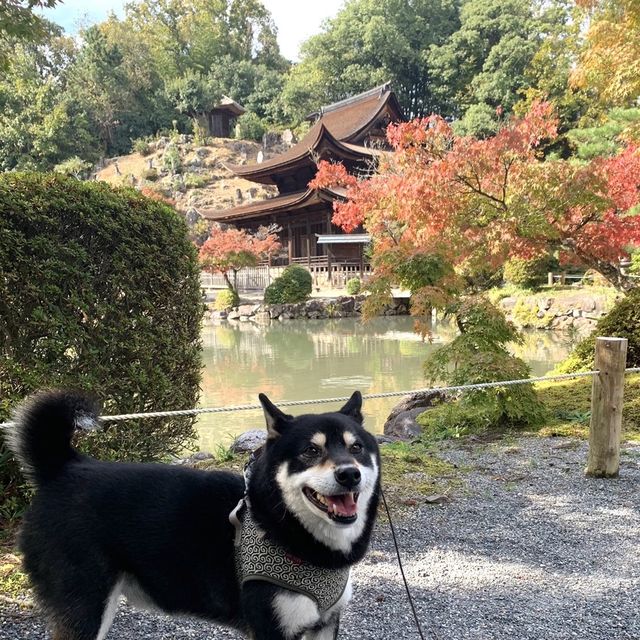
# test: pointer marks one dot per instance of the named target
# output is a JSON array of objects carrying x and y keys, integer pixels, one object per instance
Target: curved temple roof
[
  {"x": 341, "y": 126},
  {"x": 287, "y": 202}
]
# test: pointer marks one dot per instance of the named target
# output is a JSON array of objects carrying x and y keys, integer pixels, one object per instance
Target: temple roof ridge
[{"x": 340, "y": 104}]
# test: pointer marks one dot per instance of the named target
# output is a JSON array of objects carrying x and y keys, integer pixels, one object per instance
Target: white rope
[{"x": 370, "y": 396}]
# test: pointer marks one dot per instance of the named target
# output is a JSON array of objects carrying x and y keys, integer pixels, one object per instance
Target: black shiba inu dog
[{"x": 273, "y": 563}]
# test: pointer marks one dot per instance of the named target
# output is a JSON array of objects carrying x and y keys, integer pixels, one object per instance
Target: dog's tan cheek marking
[
  {"x": 349, "y": 438},
  {"x": 319, "y": 439}
]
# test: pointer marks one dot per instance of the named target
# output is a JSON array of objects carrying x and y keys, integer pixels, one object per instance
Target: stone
[
  {"x": 508, "y": 303},
  {"x": 249, "y": 441},
  {"x": 233, "y": 315},
  {"x": 261, "y": 317},
  {"x": 239, "y": 196},
  {"x": 201, "y": 455},
  {"x": 401, "y": 422},
  {"x": 544, "y": 304},
  {"x": 275, "y": 310},
  {"x": 260, "y": 157},
  {"x": 436, "y": 499},
  {"x": 270, "y": 139},
  {"x": 248, "y": 310},
  {"x": 287, "y": 137},
  {"x": 588, "y": 304},
  {"x": 202, "y": 152},
  {"x": 192, "y": 216},
  {"x": 347, "y": 303}
]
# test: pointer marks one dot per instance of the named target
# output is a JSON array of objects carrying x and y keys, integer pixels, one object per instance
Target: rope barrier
[{"x": 370, "y": 396}]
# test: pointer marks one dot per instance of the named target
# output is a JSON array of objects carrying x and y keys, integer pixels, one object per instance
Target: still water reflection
[{"x": 305, "y": 359}]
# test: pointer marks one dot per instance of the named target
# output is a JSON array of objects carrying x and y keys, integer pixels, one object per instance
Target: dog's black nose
[{"x": 348, "y": 476}]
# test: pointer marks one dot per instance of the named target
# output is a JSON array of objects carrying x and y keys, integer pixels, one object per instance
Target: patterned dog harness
[{"x": 258, "y": 558}]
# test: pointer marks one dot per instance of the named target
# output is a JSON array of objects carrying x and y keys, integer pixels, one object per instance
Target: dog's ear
[
  {"x": 276, "y": 419},
  {"x": 353, "y": 408}
]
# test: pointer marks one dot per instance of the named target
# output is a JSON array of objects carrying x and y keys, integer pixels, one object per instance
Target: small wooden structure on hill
[
  {"x": 351, "y": 131},
  {"x": 220, "y": 120}
]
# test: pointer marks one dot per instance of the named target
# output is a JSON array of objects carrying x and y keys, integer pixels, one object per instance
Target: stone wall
[
  {"x": 316, "y": 308},
  {"x": 564, "y": 310}
]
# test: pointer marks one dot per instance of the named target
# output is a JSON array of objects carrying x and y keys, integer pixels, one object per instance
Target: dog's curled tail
[{"x": 43, "y": 425}]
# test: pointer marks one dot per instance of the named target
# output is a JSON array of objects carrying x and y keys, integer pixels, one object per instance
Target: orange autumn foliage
[{"x": 483, "y": 201}]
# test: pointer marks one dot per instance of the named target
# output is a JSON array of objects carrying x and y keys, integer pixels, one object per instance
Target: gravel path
[{"x": 526, "y": 549}]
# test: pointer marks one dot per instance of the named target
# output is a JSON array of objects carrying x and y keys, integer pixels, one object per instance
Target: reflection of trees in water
[
  {"x": 540, "y": 348},
  {"x": 322, "y": 358}
]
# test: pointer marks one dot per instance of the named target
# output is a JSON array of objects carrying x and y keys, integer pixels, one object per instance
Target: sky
[{"x": 296, "y": 19}]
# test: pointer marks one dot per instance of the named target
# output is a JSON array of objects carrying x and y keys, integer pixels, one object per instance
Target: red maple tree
[
  {"x": 483, "y": 201},
  {"x": 229, "y": 250}
]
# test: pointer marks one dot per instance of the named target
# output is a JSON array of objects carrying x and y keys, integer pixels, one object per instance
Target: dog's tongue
[{"x": 345, "y": 504}]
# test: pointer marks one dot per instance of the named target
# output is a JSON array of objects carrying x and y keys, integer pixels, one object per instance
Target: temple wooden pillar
[
  {"x": 308, "y": 243},
  {"x": 289, "y": 241}
]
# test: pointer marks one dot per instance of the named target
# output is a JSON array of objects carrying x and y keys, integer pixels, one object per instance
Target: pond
[{"x": 305, "y": 359}]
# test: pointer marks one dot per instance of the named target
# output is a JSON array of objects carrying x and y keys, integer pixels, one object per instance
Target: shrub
[
  {"x": 150, "y": 174},
  {"x": 623, "y": 321},
  {"x": 354, "y": 286},
  {"x": 294, "y": 285},
  {"x": 142, "y": 146},
  {"x": 171, "y": 158},
  {"x": 250, "y": 127},
  {"x": 529, "y": 273},
  {"x": 226, "y": 299},
  {"x": 76, "y": 167},
  {"x": 99, "y": 290},
  {"x": 194, "y": 181},
  {"x": 480, "y": 354}
]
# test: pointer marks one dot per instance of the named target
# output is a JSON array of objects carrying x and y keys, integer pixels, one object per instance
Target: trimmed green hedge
[
  {"x": 294, "y": 285},
  {"x": 99, "y": 290}
]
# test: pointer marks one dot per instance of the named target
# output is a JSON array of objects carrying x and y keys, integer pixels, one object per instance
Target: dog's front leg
[
  {"x": 273, "y": 613},
  {"x": 328, "y": 631}
]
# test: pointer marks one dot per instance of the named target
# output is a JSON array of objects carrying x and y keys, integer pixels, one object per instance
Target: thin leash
[{"x": 431, "y": 632}]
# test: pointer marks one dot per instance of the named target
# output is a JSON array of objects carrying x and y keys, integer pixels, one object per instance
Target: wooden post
[
  {"x": 606, "y": 408},
  {"x": 550, "y": 278},
  {"x": 563, "y": 278}
]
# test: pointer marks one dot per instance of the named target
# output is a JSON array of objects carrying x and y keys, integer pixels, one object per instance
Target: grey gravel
[{"x": 526, "y": 548}]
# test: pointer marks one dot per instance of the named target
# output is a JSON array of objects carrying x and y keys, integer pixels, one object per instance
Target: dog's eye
[
  {"x": 355, "y": 448},
  {"x": 311, "y": 451}
]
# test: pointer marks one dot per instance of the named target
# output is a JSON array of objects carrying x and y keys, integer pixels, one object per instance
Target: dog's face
[{"x": 326, "y": 467}]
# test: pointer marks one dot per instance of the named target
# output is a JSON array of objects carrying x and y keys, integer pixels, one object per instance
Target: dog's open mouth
[{"x": 341, "y": 508}]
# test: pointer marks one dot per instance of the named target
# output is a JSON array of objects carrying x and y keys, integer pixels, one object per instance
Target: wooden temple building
[{"x": 351, "y": 131}]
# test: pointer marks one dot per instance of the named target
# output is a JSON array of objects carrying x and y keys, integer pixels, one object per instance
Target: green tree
[
  {"x": 608, "y": 136},
  {"x": 18, "y": 23},
  {"x": 548, "y": 74},
  {"x": 486, "y": 59},
  {"x": 370, "y": 42},
  {"x": 37, "y": 125}
]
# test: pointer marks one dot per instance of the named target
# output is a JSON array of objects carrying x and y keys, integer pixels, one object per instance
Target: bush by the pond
[
  {"x": 353, "y": 286},
  {"x": 99, "y": 290},
  {"x": 623, "y": 321},
  {"x": 294, "y": 285},
  {"x": 480, "y": 354},
  {"x": 226, "y": 299},
  {"x": 529, "y": 273}
]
